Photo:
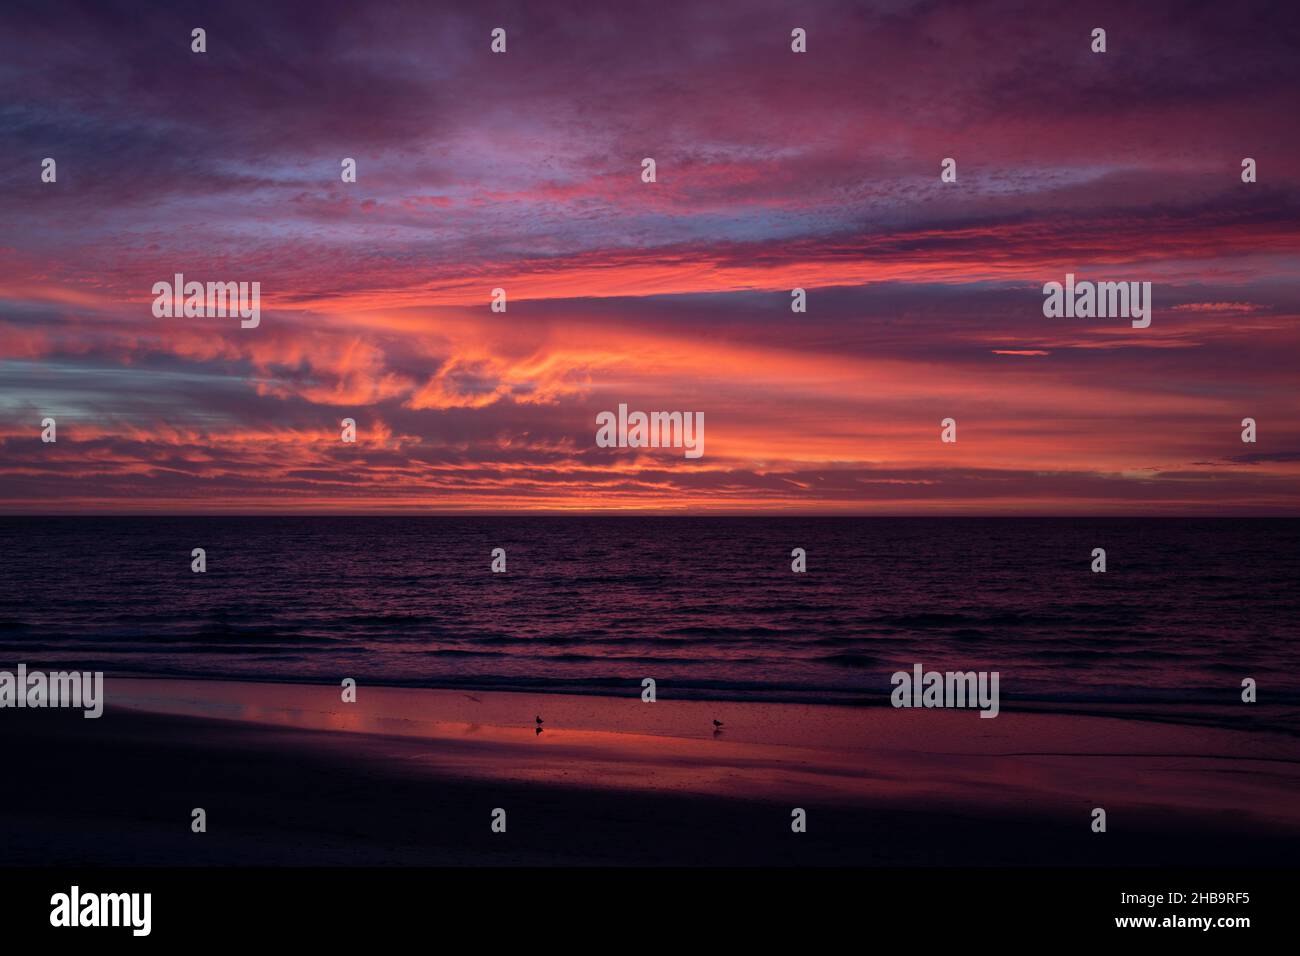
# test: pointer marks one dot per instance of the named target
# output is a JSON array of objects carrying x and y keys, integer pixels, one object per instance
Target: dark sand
[{"x": 289, "y": 775}]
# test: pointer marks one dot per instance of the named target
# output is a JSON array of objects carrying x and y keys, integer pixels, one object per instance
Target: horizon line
[{"x": 643, "y": 514}]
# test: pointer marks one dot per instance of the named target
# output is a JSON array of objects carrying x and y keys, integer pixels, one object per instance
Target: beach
[{"x": 288, "y": 774}]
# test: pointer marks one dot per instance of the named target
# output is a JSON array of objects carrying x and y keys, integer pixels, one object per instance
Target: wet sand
[{"x": 288, "y": 774}]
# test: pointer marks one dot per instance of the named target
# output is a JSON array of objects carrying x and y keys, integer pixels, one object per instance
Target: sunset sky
[{"x": 775, "y": 170}]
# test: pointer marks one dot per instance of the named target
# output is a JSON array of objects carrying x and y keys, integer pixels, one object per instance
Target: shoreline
[
  {"x": 1175, "y": 709},
  {"x": 288, "y": 774},
  {"x": 1274, "y": 716}
]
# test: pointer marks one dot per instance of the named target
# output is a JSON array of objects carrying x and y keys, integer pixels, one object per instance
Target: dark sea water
[{"x": 707, "y": 606}]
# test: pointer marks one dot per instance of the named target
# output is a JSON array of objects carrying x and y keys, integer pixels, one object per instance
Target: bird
[
  {"x": 717, "y": 724},
  {"x": 538, "y": 729},
  {"x": 539, "y": 720}
]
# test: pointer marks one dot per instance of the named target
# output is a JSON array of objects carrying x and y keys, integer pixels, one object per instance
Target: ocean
[{"x": 708, "y": 607}]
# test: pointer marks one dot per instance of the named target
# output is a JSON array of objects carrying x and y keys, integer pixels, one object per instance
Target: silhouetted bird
[
  {"x": 717, "y": 723},
  {"x": 539, "y": 720},
  {"x": 538, "y": 729}
]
